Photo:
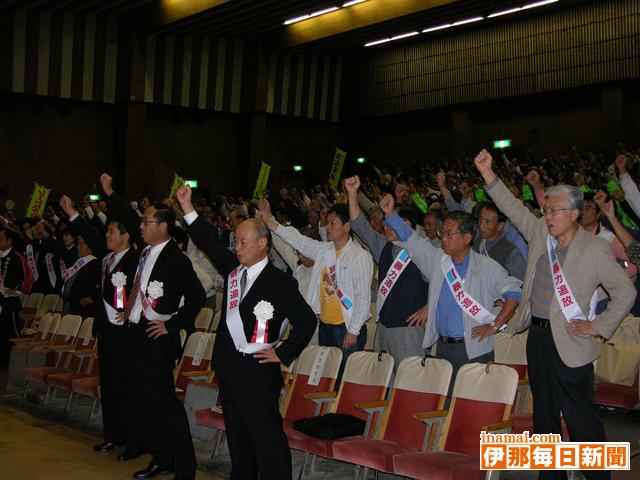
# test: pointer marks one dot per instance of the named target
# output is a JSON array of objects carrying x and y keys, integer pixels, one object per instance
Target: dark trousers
[
  {"x": 10, "y": 326},
  {"x": 557, "y": 388},
  {"x": 333, "y": 336},
  {"x": 120, "y": 417},
  {"x": 456, "y": 355},
  {"x": 162, "y": 416},
  {"x": 257, "y": 443}
]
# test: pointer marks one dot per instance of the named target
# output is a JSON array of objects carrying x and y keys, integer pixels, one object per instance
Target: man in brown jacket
[{"x": 565, "y": 266}]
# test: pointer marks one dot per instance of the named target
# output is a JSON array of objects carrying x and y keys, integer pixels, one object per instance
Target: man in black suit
[
  {"x": 166, "y": 296},
  {"x": 119, "y": 260},
  {"x": 12, "y": 273},
  {"x": 258, "y": 300}
]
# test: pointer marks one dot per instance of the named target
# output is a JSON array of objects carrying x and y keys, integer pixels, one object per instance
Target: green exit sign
[
  {"x": 361, "y": 159},
  {"x": 191, "y": 183},
  {"x": 506, "y": 143},
  {"x": 297, "y": 168}
]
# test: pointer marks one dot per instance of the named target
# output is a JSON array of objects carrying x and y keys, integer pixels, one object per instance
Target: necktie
[
  {"x": 133, "y": 297},
  {"x": 111, "y": 261},
  {"x": 243, "y": 283}
]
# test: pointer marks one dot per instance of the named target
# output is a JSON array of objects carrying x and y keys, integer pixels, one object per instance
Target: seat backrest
[
  {"x": 366, "y": 378},
  {"x": 203, "y": 320},
  {"x": 67, "y": 330},
  {"x": 482, "y": 395},
  {"x": 84, "y": 339},
  {"x": 316, "y": 370},
  {"x": 60, "y": 305},
  {"x": 196, "y": 356},
  {"x": 47, "y": 326},
  {"x": 34, "y": 300},
  {"x": 421, "y": 385},
  {"x": 49, "y": 302},
  {"x": 216, "y": 321}
]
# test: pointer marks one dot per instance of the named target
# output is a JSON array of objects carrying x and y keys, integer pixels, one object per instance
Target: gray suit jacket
[
  {"x": 486, "y": 281},
  {"x": 589, "y": 263}
]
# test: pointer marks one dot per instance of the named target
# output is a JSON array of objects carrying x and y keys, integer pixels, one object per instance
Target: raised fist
[
  {"x": 387, "y": 204},
  {"x": 183, "y": 195},
  {"x": 621, "y": 163},
  {"x": 401, "y": 192},
  {"x": 107, "y": 183},
  {"x": 533, "y": 178},
  {"x": 352, "y": 184},
  {"x": 67, "y": 205},
  {"x": 484, "y": 162},
  {"x": 442, "y": 180}
]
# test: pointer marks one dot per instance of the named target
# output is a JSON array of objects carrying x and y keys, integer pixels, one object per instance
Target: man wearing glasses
[
  {"x": 463, "y": 289},
  {"x": 566, "y": 265}
]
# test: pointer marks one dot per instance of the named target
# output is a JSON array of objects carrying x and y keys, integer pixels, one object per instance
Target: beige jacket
[{"x": 589, "y": 263}]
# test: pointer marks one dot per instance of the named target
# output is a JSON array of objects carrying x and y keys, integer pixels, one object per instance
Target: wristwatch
[{"x": 501, "y": 329}]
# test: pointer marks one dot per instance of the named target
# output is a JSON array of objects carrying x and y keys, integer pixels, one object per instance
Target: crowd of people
[{"x": 449, "y": 257}]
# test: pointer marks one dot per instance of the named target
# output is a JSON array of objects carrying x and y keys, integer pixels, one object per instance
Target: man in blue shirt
[{"x": 485, "y": 298}]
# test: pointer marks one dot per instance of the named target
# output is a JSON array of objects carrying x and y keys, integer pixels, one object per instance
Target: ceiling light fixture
[
  {"x": 519, "y": 9},
  {"x": 317, "y": 13},
  {"x": 468, "y": 20},
  {"x": 439, "y": 27},
  {"x": 352, "y": 2}
]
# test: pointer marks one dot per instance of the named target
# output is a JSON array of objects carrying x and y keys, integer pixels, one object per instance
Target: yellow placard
[
  {"x": 261, "y": 183},
  {"x": 178, "y": 181},
  {"x": 336, "y": 168},
  {"x": 38, "y": 201}
]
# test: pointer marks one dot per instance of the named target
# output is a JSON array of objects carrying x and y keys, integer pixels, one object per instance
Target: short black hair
[
  {"x": 166, "y": 214},
  {"x": 342, "y": 212},
  {"x": 122, "y": 228},
  {"x": 408, "y": 215},
  {"x": 492, "y": 206},
  {"x": 9, "y": 235},
  {"x": 180, "y": 236},
  {"x": 434, "y": 212},
  {"x": 466, "y": 222}
]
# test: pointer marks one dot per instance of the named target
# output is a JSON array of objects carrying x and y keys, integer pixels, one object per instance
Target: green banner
[
  {"x": 178, "y": 181},
  {"x": 38, "y": 201},
  {"x": 261, "y": 183},
  {"x": 336, "y": 168},
  {"x": 527, "y": 194},
  {"x": 419, "y": 202}
]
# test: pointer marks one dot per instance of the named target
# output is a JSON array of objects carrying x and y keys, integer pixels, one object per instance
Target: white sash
[
  {"x": 234, "y": 320},
  {"x": 148, "y": 309},
  {"x": 469, "y": 305},
  {"x": 570, "y": 308},
  {"x": 393, "y": 274},
  {"x": 80, "y": 263},
  {"x": 32, "y": 262},
  {"x": 345, "y": 302},
  {"x": 53, "y": 279},
  {"x": 111, "y": 313}
]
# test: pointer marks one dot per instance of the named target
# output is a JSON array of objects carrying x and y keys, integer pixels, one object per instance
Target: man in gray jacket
[
  {"x": 565, "y": 266},
  {"x": 463, "y": 289}
]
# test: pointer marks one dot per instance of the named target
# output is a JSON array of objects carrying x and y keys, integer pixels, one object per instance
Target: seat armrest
[
  {"x": 374, "y": 410},
  {"x": 502, "y": 427},
  {"x": 434, "y": 422},
  {"x": 198, "y": 374},
  {"x": 321, "y": 399}
]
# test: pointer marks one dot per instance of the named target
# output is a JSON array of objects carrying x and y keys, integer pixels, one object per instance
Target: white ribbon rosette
[
  {"x": 119, "y": 280},
  {"x": 263, "y": 312},
  {"x": 155, "y": 291}
]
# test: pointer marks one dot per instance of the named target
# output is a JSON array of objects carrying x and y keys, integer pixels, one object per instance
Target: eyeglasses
[
  {"x": 552, "y": 211},
  {"x": 146, "y": 222},
  {"x": 443, "y": 234}
]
